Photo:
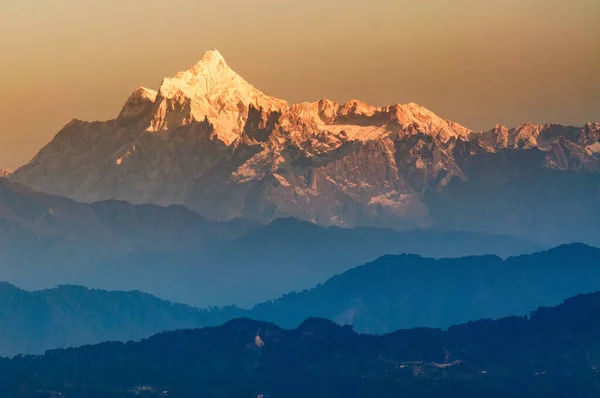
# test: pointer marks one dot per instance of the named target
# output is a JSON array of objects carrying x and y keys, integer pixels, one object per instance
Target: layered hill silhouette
[
  {"x": 174, "y": 253},
  {"x": 67, "y": 316},
  {"x": 554, "y": 352},
  {"x": 393, "y": 292},
  {"x": 209, "y": 140}
]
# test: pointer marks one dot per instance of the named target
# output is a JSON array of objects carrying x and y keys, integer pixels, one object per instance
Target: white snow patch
[
  {"x": 125, "y": 156},
  {"x": 257, "y": 167},
  {"x": 357, "y": 133},
  {"x": 299, "y": 191},
  {"x": 594, "y": 148},
  {"x": 331, "y": 180},
  {"x": 244, "y": 174},
  {"x": 390, "y": 199},
  {"x": 281, "y": 180}
]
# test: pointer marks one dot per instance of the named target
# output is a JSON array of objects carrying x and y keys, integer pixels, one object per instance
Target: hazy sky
[{"x": 478, "y": 62}]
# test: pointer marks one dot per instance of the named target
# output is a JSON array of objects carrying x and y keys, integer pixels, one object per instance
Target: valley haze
[{"x": 351, "y": 199}]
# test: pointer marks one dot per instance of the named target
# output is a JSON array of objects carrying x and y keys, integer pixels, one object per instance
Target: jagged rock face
[
  {"x": 211, "y": 141},
  {"x": 5, "y": 173}
]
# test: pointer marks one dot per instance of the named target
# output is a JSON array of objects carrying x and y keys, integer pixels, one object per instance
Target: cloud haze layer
[{"x": 476, "y": 62}]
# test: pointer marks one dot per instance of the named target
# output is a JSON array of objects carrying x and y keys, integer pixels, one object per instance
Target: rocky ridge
[{"x": 211, "y": 141}]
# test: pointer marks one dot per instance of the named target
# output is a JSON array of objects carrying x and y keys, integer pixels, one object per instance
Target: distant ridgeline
[
  {"x": 555, "y": 352},
  {"x": 390, "y": 293},
  {"x": 176, "y": 254}
]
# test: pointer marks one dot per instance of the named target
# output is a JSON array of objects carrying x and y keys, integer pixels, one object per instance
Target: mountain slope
[
  {"x": 51, "y": 228},
  {"x": 289, "y": 254},
  {"x": 209, "y": 140},
  {"x": 390, "y": 293},
  {"x": 66, "y": 316},
  {"x": 176, "y": 254},
  {"x": 404, "y": 291},
  {"x": 553, "y": 353}
]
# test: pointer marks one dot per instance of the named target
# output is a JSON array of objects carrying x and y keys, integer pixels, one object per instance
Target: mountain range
[
  {"x": 341, "y": 223},
  {"x": 176, "y": 254},
  {"x": 405, "y": 291},
  {"x": 209, "y": 140},
  {"x": 553, "y": 352},
  {"x": 391, "y": 293},
  {"x": 70, "y": 316}
]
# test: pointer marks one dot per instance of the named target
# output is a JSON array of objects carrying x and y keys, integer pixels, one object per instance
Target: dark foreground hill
[
  {"x": 555, "y": 352},
  {"x": 391, "y": 293}
]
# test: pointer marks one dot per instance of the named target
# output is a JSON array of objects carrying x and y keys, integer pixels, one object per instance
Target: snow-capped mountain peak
[
  {"x": 210, "y": 140},
  {"x": 212, "y": 56},
  {"x": 138, "y": 103},
  {"x": 209, "y": 90},
  {"x": 209, "y": 76}
]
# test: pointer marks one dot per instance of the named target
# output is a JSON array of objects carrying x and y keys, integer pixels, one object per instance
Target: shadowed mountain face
[
  {"x": 390, "y": 293},
  {"x": 114, "y": 225},
  {"x": 67, "y": 316},
  {"x": 405, "y": 291},
  {"x": 509, "y": 191},
  {"x": 553, "y": 353},
  {"x": 176, "y": 254},
  {"x": 212, "y": 142}
]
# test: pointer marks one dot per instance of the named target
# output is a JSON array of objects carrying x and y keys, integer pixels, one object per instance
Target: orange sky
[{"x": 478, "y": 62}]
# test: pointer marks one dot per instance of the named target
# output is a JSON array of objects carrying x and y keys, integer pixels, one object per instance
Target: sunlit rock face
[{"x": 211, "y": 141}]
